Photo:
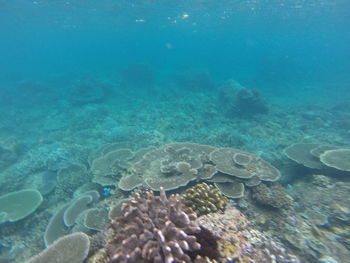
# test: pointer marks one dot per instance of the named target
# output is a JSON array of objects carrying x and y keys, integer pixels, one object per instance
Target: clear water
[{"x": 75, "y": 75}]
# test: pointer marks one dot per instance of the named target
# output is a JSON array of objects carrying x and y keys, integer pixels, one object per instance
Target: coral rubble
[
  {"x": 274, "y": 196},
  {"x": 239, "y": 242}
]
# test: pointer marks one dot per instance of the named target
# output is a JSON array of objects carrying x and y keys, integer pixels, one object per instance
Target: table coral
[
  {"x": 18, "y": 205},
  {"x": 170, "y": 166},
  {"x": 175, "y": 165},
  {"x": 338, "y": 159}
]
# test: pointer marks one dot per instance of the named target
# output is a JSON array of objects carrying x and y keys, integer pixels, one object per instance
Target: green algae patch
[{"x": 18, "y": 205}]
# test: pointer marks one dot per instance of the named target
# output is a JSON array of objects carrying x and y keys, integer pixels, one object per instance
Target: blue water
[
  {"x": 75, "y": 75},
  {"x": 261, "y": 43}
]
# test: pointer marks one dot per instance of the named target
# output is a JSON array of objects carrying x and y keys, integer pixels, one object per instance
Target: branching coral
[{"x": 158, "y": 229}]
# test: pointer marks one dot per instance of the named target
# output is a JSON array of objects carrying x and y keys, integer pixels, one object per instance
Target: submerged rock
[{"x": 239, "y": 101}]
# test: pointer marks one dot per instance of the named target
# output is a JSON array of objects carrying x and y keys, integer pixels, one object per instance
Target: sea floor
[{"x": 48, "y": 131}]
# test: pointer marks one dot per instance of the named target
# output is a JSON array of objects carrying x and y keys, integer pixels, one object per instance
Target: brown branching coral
[
  {"x": 159, "y": 229},
  {"x": 204, "y": 198}
]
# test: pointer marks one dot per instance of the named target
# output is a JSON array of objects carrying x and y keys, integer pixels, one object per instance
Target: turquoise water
[{"x": 254, "y": 75}]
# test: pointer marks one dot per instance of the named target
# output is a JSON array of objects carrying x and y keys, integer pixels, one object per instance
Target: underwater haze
[{"x": 102, "y": 99}]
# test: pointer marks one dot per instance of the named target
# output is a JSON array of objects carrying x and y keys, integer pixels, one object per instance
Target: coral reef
[
  {"x": 95, "y": 219},
  {"x": 174, "y": 165},
  {"x": 106, "y": 167},
  {"x": 158, "y": 229},
  {"x": 300, "y": 153},
  {"x": 51, "y": 131},
  {"x": 231, "y": 189},
  {"x": 274, "y": 196},
  {"x": 18, "y": 205},
  {"x": 72, "y": 248},
  {"x": 56, "y": 227},
  {"x": 9, "y": 253},
  {"x": 322, "y": 181},
  {"x": 244, "y": 165},
  {"x": 67, "y": 217},
  {"x": 109, "y": 161},
  {"x": 244, "y": 168},
  {"x": 9, "y": 152},
  {"x": 239, "y": 242},
  {"x": 229, "y": 186},
  {"x": 249, "y": 102},
  {"x": 338, "y": 159},
  {"x": 116, "y": 208},
  {"x": 320, "y": 149},
  {"x": 204, "y": 198},
  {"x": 318, "y": 156},
  {"x": 47, "y": 182},
  {"x": 316, "y": 217},
  {"x": 52, "y": 157},
  {"x": 76, "y": 207},
  {"x": 241, "y": 102},
  {"x": 70, "y": 178},
  {"x": 318, "y": 228},
  {"x": 170, "y": 166}
]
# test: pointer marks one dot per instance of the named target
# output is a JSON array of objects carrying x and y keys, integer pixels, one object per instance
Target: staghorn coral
[
  {"x": 158, "y": 229},
  {"x": 204, "y": 198}
]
